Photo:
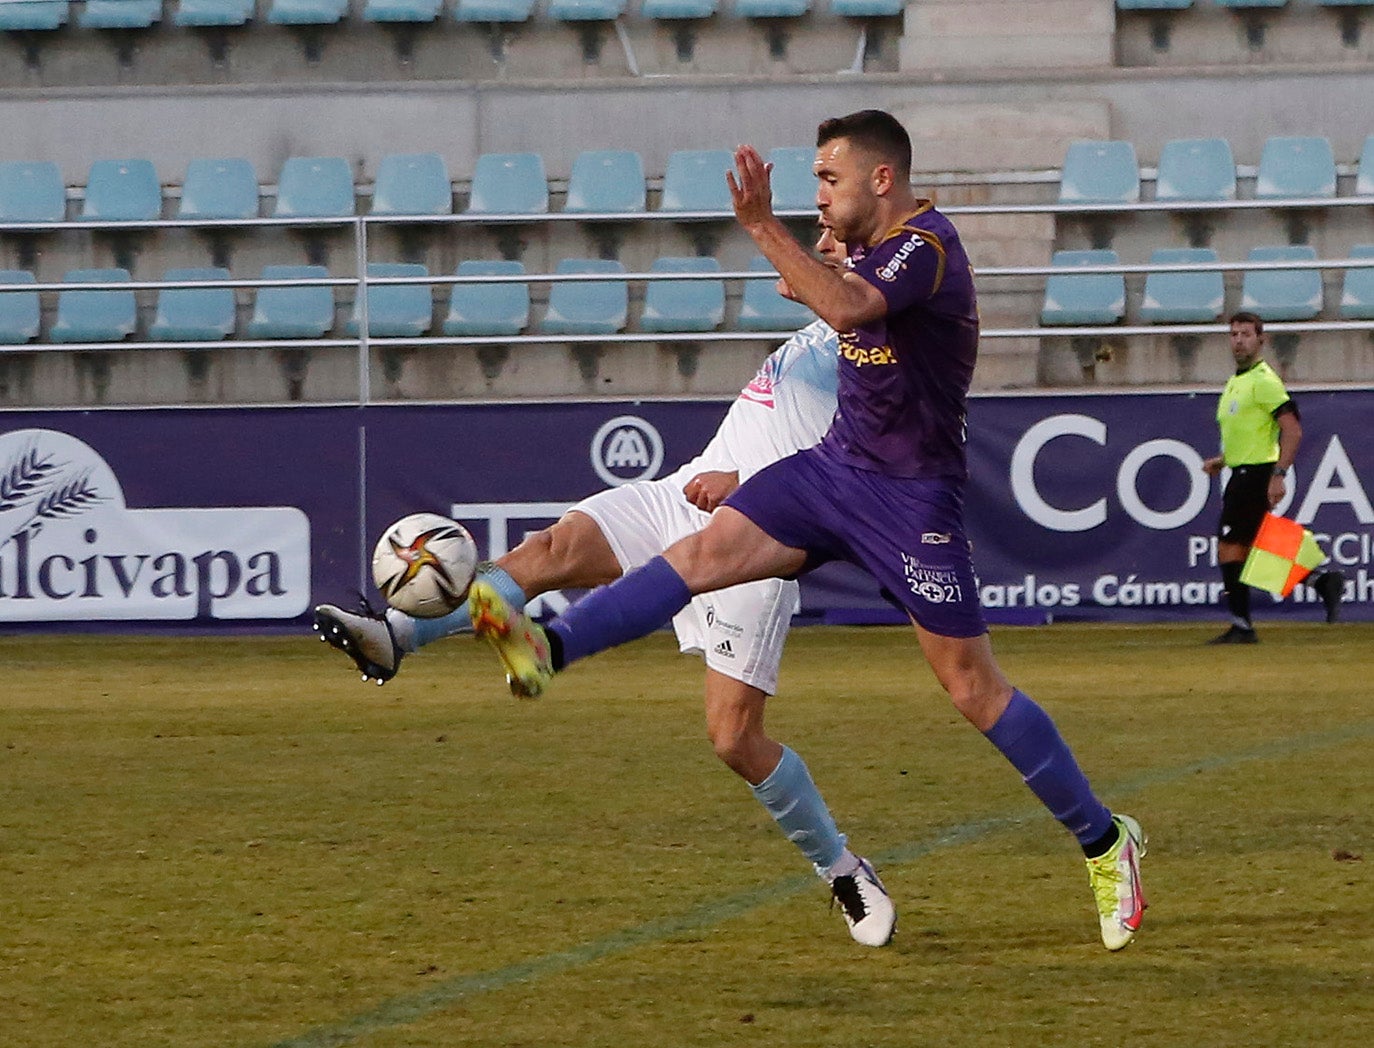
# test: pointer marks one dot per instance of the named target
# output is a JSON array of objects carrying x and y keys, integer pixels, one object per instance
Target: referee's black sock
[{"x": 1237, "y": 593}]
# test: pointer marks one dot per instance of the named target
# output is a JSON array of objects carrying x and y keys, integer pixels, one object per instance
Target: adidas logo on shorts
[{"x": 724, "y": 648}]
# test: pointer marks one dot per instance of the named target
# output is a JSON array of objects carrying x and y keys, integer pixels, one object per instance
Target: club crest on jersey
[
  {"x": 897, "y": 262},
  {"x": 761, "y": 386}
]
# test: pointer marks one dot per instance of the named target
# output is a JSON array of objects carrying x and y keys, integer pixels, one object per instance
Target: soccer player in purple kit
[{"x": 883, "y": 489}]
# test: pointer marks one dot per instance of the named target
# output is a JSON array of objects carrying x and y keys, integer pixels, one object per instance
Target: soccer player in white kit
[{"x": 740, "y": 630}]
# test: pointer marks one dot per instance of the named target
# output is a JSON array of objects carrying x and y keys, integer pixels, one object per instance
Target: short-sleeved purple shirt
[{"x": 904, "y": 378}]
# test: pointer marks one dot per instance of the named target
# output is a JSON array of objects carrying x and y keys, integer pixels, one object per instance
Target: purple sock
[
  {"x": 631, "y": 607},
  {"x": 1028, "y": 738}
]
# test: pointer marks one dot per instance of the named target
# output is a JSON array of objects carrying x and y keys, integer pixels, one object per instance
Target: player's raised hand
[{"x": 751, "y": 189}]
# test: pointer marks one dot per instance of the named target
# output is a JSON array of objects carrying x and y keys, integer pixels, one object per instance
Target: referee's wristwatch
[{"x": 1280, "y": 472}]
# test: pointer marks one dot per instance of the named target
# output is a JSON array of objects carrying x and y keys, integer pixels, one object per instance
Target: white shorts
[{"x": 741, "y": 629}]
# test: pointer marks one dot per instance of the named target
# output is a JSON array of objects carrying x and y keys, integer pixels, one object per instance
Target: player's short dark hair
[
  {"x": 874, "y": 131},
  {"x": 1246, "y": 317}
]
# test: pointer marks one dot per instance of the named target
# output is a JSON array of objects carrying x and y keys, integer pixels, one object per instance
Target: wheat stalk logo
[
  {"x": 34, "y": 481},
  {"x": 25, "y": 476}
]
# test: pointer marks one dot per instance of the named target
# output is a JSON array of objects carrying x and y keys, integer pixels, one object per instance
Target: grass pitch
[{"x": 233, "y": 842}]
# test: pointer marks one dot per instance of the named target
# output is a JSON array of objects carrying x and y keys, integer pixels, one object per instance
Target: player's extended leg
[
  {"x": 571, "y": 552},
  {"x": 780, "y": 780},
  {"x": 1028, "y": 738}
]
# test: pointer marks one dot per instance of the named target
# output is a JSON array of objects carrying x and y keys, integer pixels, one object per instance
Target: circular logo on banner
[{"x": 626, "y": 449}]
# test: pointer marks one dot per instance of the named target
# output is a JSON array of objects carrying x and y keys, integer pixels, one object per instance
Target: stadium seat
[
  {"x": 194, "y": 314},
  {"x": 695, "y": 181},
  {"x": 683, "y": 305},
  {"x": 488, "y": 309},
  {"x": 493, "y": 10},
  {"x": 867, "y": 8},
  {"x": 793, "y": 178},
  {"x": 19, "y": 310},
  {"x": 306, "y": 12},
  {"x": 763, "y": 309},
  {"x": 412, "y": 184},
  {"x": 292, "y": 312},
  {"x": 395, "y": 310},
  {"x": 33, "y": 16},
  {"x": 1282, "y": 294},
  {"x": 419, "y": 11},
  {"x": 94, "y": 316},
  {"x": 205, "y": 14},
  {"x": 509, "y": 184},
  {"x": 587, "y": 307},
  {"x": 1196, "y": 169},
  {"x": 1296, "y": 167},
  {"x": 31, "y": 191},
  {"x": 315, "y": 187},
  {"x": 1357, "y": 293},
  {"x": 772, "y": 8},
  {"x": 1182, "y": 298},
  {"x": 1103, "y": 172},
  {"x": 219, "y": 188},
  {"x": 1084, "y": 298},
  {"x": 122, "y": 191},
  {"x": 1364, "y": 178},
  {"x": 678, "y": 10},
  {"x": 586, "y": 10},
  {"x": 606, "y": 180},
  {"x": 1153, "y": 5},
  {"x": 119, "y": 14},
  {"x": 1243, "y": 5}
]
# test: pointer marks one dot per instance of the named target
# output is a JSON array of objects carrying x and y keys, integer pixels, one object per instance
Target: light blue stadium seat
[
  {"x": 587, "y": 308},
  {"x": 1196, "y": 169},
  {"x": 306, "y": 12},
  {"x": 794, "y": 178},
  {"x": 402, "y": 10},
  {"x": 493, "y": 10},
  {"x": 94, "y": 316},
  {"x": 33, "y": 16},
  {"x": 395, "y": 310},
  {"x": 315, "y": 187},
  {"x": 509, "y": 184},
  {"x": 488, "y": 309},
  {"x": 1100, "y": 172},
  {"x": 1296, "y": 167},
  {"x": 772, "y": 8},
  {"x": 867, "y": 8},
  {"x": 1153, "y": 5},
  {"x": 292, "y": 312},
  {"x": 683, "y": 305},
  {"x": 19, "y": 310},
  {"x": 412, "y": 184},
  {"x": 669, "y": 10},
  {"x": 1364, "y": 178},
  {"x": 1182, "y": 298},
  {"x": 224, "y": 187},
  {"x": 1242, "y": 5},
  {"x": 122, "y": 191},
  {"x": 1084, "y": 298},
  {"x": 31, "y": 191},
  {"x": 586, "y": 10},
  {"x": 1357, "y": 292},
  {"x": 763, "y": 309},
  {"x": 194, "y": 314},
  {"x": 213, "y": 13},
  {"x": 119, "y": 14},
  {"x": 694, "y": 180},
  {"x": 606, "y": 180},
  {"x": 1282, "y": 294}
]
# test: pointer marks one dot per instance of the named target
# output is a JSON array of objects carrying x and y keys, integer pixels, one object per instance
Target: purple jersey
[{"x": 904, "y": 378}]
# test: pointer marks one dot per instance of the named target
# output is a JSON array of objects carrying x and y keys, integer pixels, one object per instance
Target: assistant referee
[{"x": 1260, "y": 433}]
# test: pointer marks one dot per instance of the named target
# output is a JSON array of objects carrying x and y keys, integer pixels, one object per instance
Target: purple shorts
[{"x": 907, "y": 533}]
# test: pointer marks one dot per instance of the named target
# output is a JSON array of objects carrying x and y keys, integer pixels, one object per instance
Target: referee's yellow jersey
[{"x": 1245, "y": 414}]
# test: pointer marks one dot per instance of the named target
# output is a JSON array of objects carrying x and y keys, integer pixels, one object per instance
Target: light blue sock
[
  {"x": 792, "y": 799},
  {"x": 427, "y": 631}
]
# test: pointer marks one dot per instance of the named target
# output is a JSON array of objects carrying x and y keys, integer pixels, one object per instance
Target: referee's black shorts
[{"x": 1244, "y": 503}]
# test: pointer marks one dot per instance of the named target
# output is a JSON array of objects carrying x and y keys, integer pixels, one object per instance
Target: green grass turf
[{"x": 233, "y": 842}]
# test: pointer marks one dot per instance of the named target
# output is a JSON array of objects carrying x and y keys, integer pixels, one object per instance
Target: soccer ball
[{"x": 424, "y": 564}]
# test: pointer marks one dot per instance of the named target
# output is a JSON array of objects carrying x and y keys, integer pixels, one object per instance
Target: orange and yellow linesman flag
[{"x": 1282, "y": 555}]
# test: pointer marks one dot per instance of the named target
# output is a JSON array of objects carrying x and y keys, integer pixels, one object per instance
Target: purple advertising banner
[{"x": 1087, "y": 507}]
